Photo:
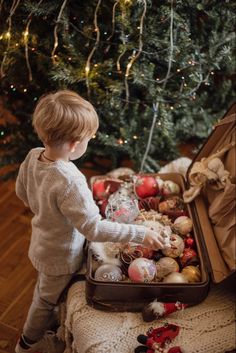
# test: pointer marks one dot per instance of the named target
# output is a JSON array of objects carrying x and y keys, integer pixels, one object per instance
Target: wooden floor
[{"x": 17, "y": 276}]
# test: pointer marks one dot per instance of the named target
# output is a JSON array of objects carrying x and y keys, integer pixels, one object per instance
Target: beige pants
[{"x": 46, "y": 295}]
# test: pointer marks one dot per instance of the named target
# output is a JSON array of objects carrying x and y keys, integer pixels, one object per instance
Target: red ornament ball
[
  {"x": 99, "y": 190},
  {"x": 189, "y": 242},
  {"x": 189, "y": 257},
  {"x": 145, "y": 186}
]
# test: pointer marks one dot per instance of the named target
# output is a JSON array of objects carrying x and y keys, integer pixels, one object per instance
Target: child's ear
[{"x": 72, "y": 146}]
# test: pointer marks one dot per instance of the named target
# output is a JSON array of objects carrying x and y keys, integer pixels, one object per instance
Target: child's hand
[{"x": 153, "y": 240}]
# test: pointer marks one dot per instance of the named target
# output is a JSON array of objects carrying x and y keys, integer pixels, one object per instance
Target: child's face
[{"x": 79, "y": 148}]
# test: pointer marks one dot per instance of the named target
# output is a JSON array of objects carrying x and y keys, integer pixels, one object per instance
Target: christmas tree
[{"x": 159, "y": 73}]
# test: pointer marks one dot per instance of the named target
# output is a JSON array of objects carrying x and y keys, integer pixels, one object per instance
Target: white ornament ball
[
  {"x": 175, "y": 277},
  {"x": 177, "y": 246},
  {"x": 165, "y": 266},
  {"x": 160, "y": 183},
  {"x": 142, "y": 270},
  {"x": 109, "y": 273},
  {"x": 183, "y": 225},
  {"x": 170, "y": 188}
]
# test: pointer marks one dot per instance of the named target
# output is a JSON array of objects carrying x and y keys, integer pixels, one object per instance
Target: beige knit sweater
[{"x": 64, "y": 215}]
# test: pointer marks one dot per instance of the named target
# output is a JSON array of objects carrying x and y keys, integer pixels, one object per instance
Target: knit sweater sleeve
[
  {"x": 79, "y": 207},
  {"x": 20, "y": 185}
]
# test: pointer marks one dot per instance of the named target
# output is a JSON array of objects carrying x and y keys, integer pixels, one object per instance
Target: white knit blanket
[{"x": 208, "y": 327}]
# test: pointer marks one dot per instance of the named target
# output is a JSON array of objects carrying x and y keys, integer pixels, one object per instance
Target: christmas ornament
[
  {"x": 112, "y": 185},
  {"x": 156, "y": 310},
  {"x": 156, "y": 340},
  {"x": 99, "y": 190},
  {"x": 192, "y": 273},
  {"x": 177, "y": 246},
  {"x": 175, "y": 277},
  {"x": 170, "y": 188},
  {"x": 159, "y": 228},
  {"x": 145, "y": 186},
  {"x": 173, "y": 207},
  {"x": 189, "y": 242},
  {"x": 109, "y": 273},
  {"x": 102, "y": 204},
  {"x": 149, "y": 203},
  {"x": 183, "y": 225},
  {"x": 122, "y": 209},
  {"x": 189, "y": 257},
  {"x": 142, "y": 270},
  {"x": 165, "y": 266},
  {"x": 160, "y": 183}
]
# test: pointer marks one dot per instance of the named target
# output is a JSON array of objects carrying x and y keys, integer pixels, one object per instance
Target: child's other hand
[{"x": 153, "y": 240}]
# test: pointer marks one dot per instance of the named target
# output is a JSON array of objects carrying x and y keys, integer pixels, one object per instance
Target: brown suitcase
[{"x": 127, "y": 296}]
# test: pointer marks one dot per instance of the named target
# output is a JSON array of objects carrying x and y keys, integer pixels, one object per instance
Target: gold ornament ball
[
  {"x": 192, "y": 273},
  {"x": 175, "y": 277}
]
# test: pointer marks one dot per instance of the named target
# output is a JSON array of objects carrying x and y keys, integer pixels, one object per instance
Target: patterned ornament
[
  {"x": 142, "y": 270},
  {"x": 175, "y": 277},
  {"x": 122, "y": 209},
  {"x": 108, "y": 273},
  {"x": 170, "y": 188},
  {"x": 192, "y": 273},
  {"x": 149, "y": 203},
  {"x": 177, "y": 246},
  {"x": 172, "y": 207},
  {"x": 189, "y": 257},
  {"x": 165, "y": 266},
  {"x": 145, "y": 186},
  {"x": 159, "y": 228},
  {"x": 183, "y": 225},
  {"x": 189, "y": 242}
]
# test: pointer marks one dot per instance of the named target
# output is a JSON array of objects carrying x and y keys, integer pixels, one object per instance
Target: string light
[
  {"x": 135, "y": 137},
  {"x": 13, "y": 8},
  {"x": 135, "y": 55},
  {"x": 87, "y": 66},
  {"x": 55, "y": 32},
  {"x": 120, "y": 141}
]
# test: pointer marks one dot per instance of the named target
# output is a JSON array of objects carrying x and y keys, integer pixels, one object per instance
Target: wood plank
[
  {"x": 15, "y": 314},
  {"x": 14, "y": 256},
  {"x": 17, "y": 271},
  {"x": 8, "y": 338},
  {"x": 10, "y": 234}
]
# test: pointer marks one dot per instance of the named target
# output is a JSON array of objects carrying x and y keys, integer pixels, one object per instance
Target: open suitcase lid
[{"x": 224, "y": 133}]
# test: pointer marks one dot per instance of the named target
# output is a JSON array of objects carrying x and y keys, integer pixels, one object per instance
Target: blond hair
[{"x": 64, "y": 116}]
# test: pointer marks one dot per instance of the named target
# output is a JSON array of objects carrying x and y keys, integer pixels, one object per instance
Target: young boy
[{"x": 63, "y": 208}]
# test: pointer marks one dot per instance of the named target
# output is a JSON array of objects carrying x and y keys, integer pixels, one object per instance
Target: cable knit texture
[
  {"x": 205, "y": 328},
  {"x": 64, "y": 214}
]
